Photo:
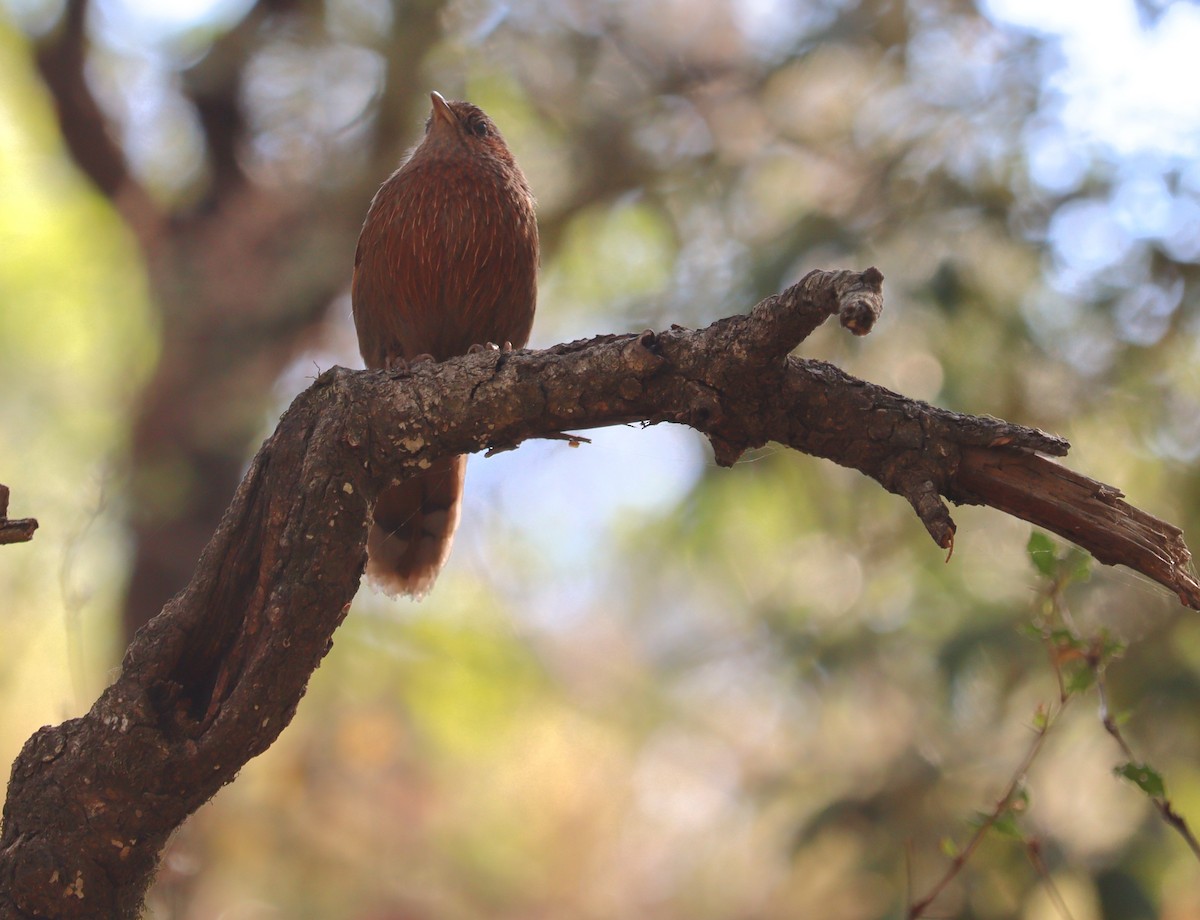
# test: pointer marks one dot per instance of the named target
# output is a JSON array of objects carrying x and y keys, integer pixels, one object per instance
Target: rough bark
[{"x": 213, "y": 680}]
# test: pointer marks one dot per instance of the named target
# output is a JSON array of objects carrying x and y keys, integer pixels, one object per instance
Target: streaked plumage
[{"x": 447, "y": 259}]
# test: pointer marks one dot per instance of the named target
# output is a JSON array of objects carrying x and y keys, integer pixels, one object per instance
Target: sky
[{"x": 1130, "y": 86}]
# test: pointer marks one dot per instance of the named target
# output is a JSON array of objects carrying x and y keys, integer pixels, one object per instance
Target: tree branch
[
  {"x": 61, "y": 60},
  {"x": 19, "y": 530},
  {"x": 87, "y": 134},
  {"x": 1084, "y": 511},
  {"x": 213, "y": 680}
]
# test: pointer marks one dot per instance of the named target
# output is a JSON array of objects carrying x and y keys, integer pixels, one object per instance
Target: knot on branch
[
  {"x": 926, "y": 500},
  {"x": 781, "y": 322},
  {"x": 644, "y": 353},
  {"x": 860, "y": 299}
]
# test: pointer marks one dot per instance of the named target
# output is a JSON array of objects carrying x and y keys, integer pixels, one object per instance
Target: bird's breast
[{"x": 448, "y": 258}]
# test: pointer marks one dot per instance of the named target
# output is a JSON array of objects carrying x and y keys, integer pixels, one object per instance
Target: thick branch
[
  {"x": 61, "y": 60},
  {"x": 212, "y": 680},
  {"x": 62, "y": 63}
]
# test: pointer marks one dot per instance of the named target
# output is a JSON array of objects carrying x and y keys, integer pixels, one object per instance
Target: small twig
[
  {"x": 908, "y": 871},
  {"x": 573, "y": 440},
  {"x": 19, "y": 530},
  {"x": 1162, "y": 804},
  {"x": 1033, "y": 849},
  {"x": 1003, "y": 804},
  {"x": 1056, "y": 654}
]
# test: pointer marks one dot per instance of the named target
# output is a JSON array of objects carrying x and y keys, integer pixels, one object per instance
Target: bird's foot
[
  {"x": 489, "y": 346},
  {"x": 398, "y": 364}
]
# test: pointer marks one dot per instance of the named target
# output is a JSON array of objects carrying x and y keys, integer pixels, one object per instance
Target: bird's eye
[{"x": 479, "y": 128}]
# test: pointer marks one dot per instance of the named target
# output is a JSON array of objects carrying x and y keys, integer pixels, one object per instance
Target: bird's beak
[{"x": 442, "y": 111}]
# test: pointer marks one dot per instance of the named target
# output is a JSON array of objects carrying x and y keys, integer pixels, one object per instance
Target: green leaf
[
  {"x": 1065, "y": 638},
  {"x": 1122, "y": 717},
  {"x": 1006, "y": 825},
  {"x": 1079, "y": 680},
  {"x": 1145, "y": 777},
  {"x": 1077, "y": 565},
  {"x": 949, "y": 847},
  {"x": 1041, "y": 553},
  {"x": 1030, "y": 631},
  {"x": 1110, "y": 647}
]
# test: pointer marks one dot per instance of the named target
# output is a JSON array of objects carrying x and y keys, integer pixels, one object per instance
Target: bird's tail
[{"x": 414, "y": 526}]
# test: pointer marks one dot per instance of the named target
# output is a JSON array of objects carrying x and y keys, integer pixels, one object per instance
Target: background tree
[{"x": 679, "y": 692}]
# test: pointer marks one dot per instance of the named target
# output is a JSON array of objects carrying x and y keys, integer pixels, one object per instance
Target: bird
[{"x": 446, "y": 263}]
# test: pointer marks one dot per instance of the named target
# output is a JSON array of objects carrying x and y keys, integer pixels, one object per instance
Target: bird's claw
[{"x": 398, "y": 364}]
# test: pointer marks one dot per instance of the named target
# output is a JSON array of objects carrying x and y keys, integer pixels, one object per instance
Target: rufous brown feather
[{"x": 447, "y": 259}]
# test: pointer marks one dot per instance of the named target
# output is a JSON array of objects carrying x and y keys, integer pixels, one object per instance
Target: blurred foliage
[{"x": 645, "y": 686}]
